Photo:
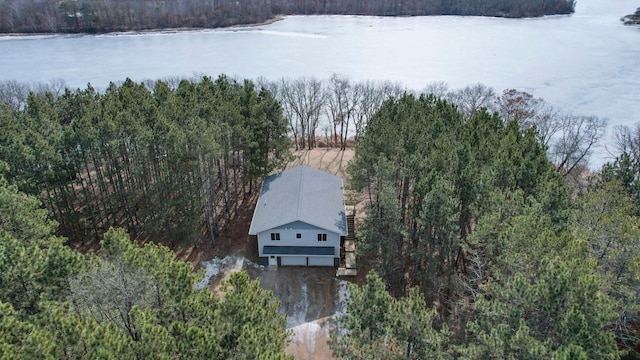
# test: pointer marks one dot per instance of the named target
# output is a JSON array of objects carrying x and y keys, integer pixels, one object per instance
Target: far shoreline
[
  {"x": 270, "y": 21},
  {"x": 151, "y": 31}
]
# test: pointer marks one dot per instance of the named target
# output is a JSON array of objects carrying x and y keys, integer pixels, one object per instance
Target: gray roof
[
  {"x": 300, "y": 194},
  {"x": 298, "y": 250}
]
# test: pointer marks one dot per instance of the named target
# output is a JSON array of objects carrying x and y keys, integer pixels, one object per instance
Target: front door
[{"x": 273, "y": 261}]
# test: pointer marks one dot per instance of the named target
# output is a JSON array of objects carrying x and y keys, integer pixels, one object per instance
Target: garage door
[
  {"x": 320, "y": 261},
  {"x": 293, "y": 261}
]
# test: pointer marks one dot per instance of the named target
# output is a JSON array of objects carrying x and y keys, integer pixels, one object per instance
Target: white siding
[
  {"x": 320, "y": 261},
  {"x": 293, "y": 261},
  {"x": 308, "y": 237}
]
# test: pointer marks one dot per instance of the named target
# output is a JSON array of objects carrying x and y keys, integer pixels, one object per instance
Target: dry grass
[{"x": 333, "y": 161}]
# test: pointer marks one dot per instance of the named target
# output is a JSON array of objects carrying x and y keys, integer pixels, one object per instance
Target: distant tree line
[
  {"x": 100, "y": 16},
  {"x": 161, "y": 161},
  {"x": 499, "y": 8}
]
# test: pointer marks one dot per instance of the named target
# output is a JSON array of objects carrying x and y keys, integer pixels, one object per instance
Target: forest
[
  {"x": 486, "y": 233},
  {"x": 172, "y": 163},
  {"x": 167, "y": 166},
  {"x": 101, "y": 16},
  {"x": 472, "y": 224}
]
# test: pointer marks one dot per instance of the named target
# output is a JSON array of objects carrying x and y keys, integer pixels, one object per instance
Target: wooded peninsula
[
  {"x": 102, "y": 16},
  {"x": 485, "y": 234},
  {"x": 632, "y": 19}
]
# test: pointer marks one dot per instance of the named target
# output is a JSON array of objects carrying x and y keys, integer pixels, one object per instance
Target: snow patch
[
  {"x": 341, "y": 307},
  {"x": 300, "y": 308},
  {"x": 212, "y": 268},
  {"x": 307, "y": 334},
  {"x": 223, "y": 267},
  {"x": 343, "y": 297}
]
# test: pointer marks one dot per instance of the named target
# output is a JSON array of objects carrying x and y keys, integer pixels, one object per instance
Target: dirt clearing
[{"x": 333, "y": 161}]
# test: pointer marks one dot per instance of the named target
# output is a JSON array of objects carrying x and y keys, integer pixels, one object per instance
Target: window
[
  {"x": 298, "y": 236},
  {"x": 275, "y": 236},
  {"x": 322, "y": 237}
]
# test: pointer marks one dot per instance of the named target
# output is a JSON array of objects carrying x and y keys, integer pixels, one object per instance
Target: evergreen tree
[
  {"x": 542, "y": 297},
  {"x": 132, "y": 302},
  {"x": 376, "y": 326},
  {"x": 158, "y": 162},
  {"x": 34, "y": 262},
  {"x": 431, "y": 175},
  {"x": 606, "y": 218}
]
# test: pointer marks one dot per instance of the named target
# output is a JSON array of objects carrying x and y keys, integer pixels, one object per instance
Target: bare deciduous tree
[
  {"x": 627, "y": 140},
  {"x": 371, "y": 96},
  {"x": 530, "y": 112},
  {"x": 439, "y": 89},
  {"x": 472, "y": 98},
  {"x": 570, "y": 139},
  {"x": 573, "y": 144},
  {"x": 13, "y": 93},
  {"x": 110, "y": 291},
  {"x": 393, "y": 90},
  {"x": 517, "y": 105},
  {"x": 342, "y": 99},
  {"x": 305, "y": 98},
  {"x": 280, "y": 90}
]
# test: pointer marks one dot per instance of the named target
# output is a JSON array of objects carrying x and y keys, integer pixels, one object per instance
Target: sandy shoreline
[{"x": 163, "y": 30}]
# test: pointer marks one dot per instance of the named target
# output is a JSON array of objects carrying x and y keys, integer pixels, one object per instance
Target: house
[{"x": 300, "y": 218}]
